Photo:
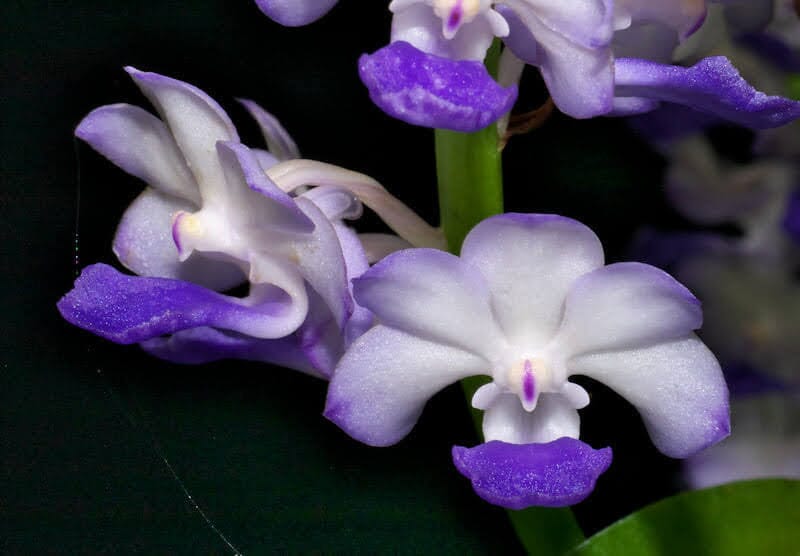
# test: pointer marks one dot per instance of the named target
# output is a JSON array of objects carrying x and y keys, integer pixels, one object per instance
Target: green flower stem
[{"x": 470, "y": 181}]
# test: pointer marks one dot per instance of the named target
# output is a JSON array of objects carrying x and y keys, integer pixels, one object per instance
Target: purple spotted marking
[
  {"x": 528, "y": 382},
  {"x": 454, "y": 20}
]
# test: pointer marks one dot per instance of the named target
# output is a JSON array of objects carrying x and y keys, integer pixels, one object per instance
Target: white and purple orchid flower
[
  {"x": 211, "y": 218},
  {"x": 432, "y": 72},
  {"x": 529, "y": 304}
]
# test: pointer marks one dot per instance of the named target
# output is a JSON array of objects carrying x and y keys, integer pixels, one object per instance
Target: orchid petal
[
  {"x": 294, "y": 13},
  {"x": 676, "y": 386},
  {"x": 252, "y": 200},
  {"x": 314, "y": 348},
  {"x": 196, "y": 122},
  {"x": 382, "y": 383},
  {"x": 431, "y": 91},
  {"x": 530, "y": 262},
  {"x": 278, "y": 140},
  {"x": 419, "y": 26},
  {"x": 553, "y": 418},
  {"x": 265, "y": 159},
  {"x": 626, "y": 305},
  {"x": 140, "y": 144},
  {"x": 144, "y": 244},
  {"x": 199, "y": 345},
  {"x": 356, "y": 264},
  {"x": 321, "y": 262},
  {"x": 712, "y": 85},
  {"x": 336, "y": 203},
  {"x": 433, "y": 295},
  {"x": 580, "y": 78},
  {"x": 129, "y": 309},
  {"x": 517, "y": 476},
  {"x": 588, "y": 23}
]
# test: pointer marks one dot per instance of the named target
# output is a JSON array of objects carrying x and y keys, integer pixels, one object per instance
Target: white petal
[
  {"x": 383, "y": 381},
  {"x": 279, "y": 142},
  {"x": 530, "y": 262},
  {"x": 553, "y": 418},
  {"x": 433, "y": 295},
  {"x": 676, "y": 386},
  {"x": 144, "y": 244},
  {"x": 142, "y": 145},
  {"x": 626, "y": 305},
  {"x": 196, "y": 121},
  {"x": 419, "y": 26}
]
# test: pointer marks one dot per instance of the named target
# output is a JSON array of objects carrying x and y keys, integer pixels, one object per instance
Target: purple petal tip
[
  {"x": 517, "y": 476},
  {"x": 431, "y": 91}
]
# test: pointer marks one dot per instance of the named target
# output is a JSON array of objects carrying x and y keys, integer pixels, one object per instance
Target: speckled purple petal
[
  {"x": 294, "y": 13},
  {"x": 712, "y": 85},
  {"x": 517, "y": 476},
  {"x": 791, "y": 220},
  {"x": 313, "y": 349},
  {"x": 130, "y": 309},
  {"x": 426, "y": 90}
]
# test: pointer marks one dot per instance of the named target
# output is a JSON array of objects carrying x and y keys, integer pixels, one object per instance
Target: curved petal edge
[
  {"x": 431, "y": 91},
  {"x": 517, "y": 476},
  {"x": 712, "y": 85}
]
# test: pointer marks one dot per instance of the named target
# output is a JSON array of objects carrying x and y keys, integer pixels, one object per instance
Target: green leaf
[
  {"x": 753, "y": 517},
  {"x": 793, "y": 85}
]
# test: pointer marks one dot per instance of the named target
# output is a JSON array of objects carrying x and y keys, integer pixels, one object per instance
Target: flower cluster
[
  {"x": 528, "y": 304},
  {"x": 597, "y": 57},
  {"x": 211, "y": 218}
]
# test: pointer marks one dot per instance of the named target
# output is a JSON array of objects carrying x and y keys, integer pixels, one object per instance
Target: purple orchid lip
[
  {"x": 431, "y": 91},
  {"x": 516, "y": 476},
  {"x": 712, "y": 85},
  {"x": 130, "y": 309}
]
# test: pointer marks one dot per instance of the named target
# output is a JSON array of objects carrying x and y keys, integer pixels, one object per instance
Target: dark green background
[{"x": 88, "y": 427}]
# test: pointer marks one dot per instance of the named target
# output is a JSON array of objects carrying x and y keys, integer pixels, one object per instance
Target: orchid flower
[
  {"x": 529, "y": 304},
  {"x": 211, "y": 218},
  {"x": 432, "y": 73}
]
